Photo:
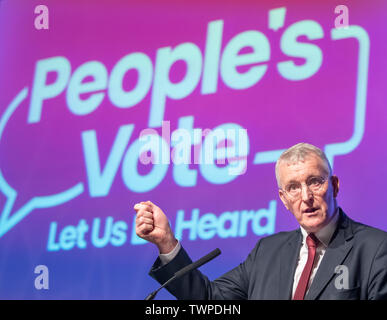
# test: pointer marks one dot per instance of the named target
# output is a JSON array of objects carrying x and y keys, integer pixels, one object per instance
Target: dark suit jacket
[{"x": 268, "y": 271}]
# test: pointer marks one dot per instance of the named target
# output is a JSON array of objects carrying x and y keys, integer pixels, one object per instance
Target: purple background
[{"x": 47, "y": 157}]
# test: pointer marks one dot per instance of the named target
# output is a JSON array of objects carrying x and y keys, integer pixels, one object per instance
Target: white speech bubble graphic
[
  {"x": 7, "y": 222},
  {"x": 341, "y": 148},
  {"x": 334, "y": 149}
]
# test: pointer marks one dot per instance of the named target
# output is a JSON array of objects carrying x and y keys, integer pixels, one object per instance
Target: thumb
[{"x": 137, "y": 206}]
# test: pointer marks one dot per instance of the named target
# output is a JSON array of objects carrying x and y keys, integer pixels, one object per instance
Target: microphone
[{"x": 194, "y": 265}]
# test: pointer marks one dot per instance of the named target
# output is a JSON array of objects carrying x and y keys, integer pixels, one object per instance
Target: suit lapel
[
  {"x": 288, "y": 262},
  {"x": 335, "y": 254}
]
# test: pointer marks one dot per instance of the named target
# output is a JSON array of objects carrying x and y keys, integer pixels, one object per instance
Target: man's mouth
[{"x": 310, "y": 210}]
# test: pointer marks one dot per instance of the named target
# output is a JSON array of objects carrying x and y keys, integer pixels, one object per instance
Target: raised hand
[{"x": 153, "y": 225}]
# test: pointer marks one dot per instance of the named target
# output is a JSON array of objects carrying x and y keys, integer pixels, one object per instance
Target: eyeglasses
[{"x": 314, "y": 184}]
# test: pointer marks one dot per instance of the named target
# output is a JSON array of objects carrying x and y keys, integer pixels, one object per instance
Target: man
[{"x": 329, "y": 257}]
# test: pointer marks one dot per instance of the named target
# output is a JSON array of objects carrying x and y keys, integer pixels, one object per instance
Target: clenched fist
[{"x": 152, "y": 225}]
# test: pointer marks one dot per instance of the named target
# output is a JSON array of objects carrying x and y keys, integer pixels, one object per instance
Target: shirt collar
[{"x": 325, "y": 233}]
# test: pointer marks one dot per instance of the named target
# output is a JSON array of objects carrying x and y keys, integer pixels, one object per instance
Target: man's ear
[
  {"x": 335, "y": 185},
  {"x": 283, "y": 199}
]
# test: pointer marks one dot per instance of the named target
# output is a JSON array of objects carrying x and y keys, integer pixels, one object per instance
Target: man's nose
[{"x": 306, "y": 193}]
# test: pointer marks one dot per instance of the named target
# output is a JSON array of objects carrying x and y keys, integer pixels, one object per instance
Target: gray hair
[{"x": 298, "y": 153}]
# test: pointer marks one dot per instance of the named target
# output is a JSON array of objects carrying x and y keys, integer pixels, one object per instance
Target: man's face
[{"x": 312, "y": 210}]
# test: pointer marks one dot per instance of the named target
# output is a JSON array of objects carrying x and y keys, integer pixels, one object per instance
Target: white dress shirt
[
  {"x": 324, "y": 236},
  {"x": 166, "y": 257}
]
